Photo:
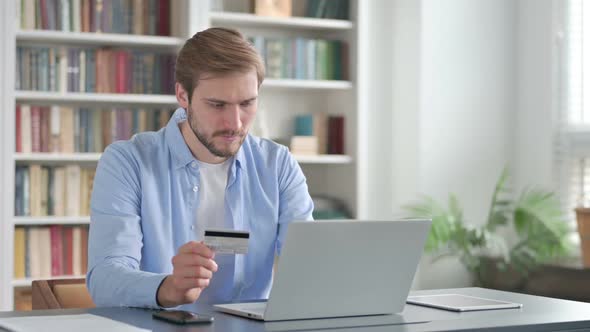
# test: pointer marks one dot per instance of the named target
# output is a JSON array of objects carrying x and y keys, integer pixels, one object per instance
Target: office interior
[{"x": 439, "y": 100}]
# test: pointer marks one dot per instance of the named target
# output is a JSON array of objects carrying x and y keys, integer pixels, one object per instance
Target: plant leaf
[
  {"x": 442, "y": 223},
  {"x": 499, "y": 207},
  {"x": 539, "y": 220}
]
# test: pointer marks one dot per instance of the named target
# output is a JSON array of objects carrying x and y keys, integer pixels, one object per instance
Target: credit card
[{"x": 225, "y": 241}]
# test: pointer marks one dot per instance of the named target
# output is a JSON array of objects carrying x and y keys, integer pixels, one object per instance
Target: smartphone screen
[{"x": 182, "y": 317}]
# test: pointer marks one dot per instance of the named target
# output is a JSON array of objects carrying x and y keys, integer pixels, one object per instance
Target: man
[{"x": 156, "y": 194}]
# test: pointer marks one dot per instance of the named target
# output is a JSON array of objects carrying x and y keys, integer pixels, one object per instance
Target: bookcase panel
[{"x": 61, "y": 121}]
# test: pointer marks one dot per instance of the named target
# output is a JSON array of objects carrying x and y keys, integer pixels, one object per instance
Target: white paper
[{"x": 65, "y": 323}]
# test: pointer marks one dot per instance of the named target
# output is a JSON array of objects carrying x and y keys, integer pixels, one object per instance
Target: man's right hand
[{"x": 193, "y": 268}]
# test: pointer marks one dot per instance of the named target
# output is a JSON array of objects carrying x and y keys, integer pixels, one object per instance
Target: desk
[{"x": 537, "y": 314}]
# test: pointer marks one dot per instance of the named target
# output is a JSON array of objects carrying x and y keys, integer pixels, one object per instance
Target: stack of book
[{"x": 318, "y": 133}]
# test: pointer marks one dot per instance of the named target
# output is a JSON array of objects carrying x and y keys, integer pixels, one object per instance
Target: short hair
[{"x": 216, "y": 51}]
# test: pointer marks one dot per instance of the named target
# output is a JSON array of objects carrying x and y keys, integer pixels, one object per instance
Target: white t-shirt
[{"x": 211, "y": 210}]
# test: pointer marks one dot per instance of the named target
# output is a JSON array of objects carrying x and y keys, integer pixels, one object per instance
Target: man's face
[{"x": 221, "y": 111}]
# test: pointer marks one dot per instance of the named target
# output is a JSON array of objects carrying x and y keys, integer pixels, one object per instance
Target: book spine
[{"x": 18, "y": 139}]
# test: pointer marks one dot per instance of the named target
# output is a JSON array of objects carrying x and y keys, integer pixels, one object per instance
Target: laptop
[{"x": 341, "y": 268}]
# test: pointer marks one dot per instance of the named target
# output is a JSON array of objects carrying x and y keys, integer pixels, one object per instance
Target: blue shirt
[{"x": 143, "y": 208}]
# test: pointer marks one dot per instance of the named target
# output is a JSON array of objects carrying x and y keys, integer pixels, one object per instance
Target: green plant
[{"x": 535, "y": 217}]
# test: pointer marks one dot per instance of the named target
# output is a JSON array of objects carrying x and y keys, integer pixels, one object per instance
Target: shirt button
[
  {"x": 194, "y": 164},
  {"x": 196, "y": 188},
  {"x": 192, "y": 227}
]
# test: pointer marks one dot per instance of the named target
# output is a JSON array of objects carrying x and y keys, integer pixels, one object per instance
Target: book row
[
  {"x": 77, "y": 130},
  {"x": 140, "y": 17},
  {"x": 102, "y": 70},
  {"x": 53, "y": 191},
  {"x": 301, "y": 58},
  {"x": 56, "y": 250}
]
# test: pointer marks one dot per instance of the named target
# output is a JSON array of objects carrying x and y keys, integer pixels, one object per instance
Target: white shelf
[
  {"x": 57, "y": 157},
  {"x": 94, "y": 157},
  {"x": 245, "y": 19},
  {"x": 51, "y": 220},
  {"x": 158, "y": 100},
  {"x": 90, "y": 38},
  {"x": 27, "y": 282},
  {"x": 307, "y": 84},
  {"x": 94, "y": 98},
  {"x": 323, "y": 159}
]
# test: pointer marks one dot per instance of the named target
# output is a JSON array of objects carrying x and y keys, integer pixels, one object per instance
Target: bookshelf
[
  {"x": 252, "y": 20},
  {"x": 50, "y": 220},
  {"x": 56, "y": 158},
  {"x": 28, "y": 281},
  {"x": 91, "y": 39},
  {"x": 281, "y": 99},
  {"x": 102, "y": 99}
]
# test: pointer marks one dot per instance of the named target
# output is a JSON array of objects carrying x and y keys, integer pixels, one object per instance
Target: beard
[{"x": 208, "y": 142}]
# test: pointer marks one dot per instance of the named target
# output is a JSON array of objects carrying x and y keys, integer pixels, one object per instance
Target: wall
[
  {"x": 534, "y": 120},
  {"x": 445, "y": 123},
  {"x": 447, "y": 117},
  {"x": 375, "y": 38},
  {"x": 466, "y": 110}
]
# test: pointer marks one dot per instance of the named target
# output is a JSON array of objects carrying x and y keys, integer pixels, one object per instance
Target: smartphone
[{"x": 182, "y": 317}]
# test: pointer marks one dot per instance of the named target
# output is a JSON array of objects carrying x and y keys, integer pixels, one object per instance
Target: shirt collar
[{"x": 181, "y": 154}]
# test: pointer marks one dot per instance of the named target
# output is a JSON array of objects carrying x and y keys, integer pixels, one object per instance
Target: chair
[{"x": 61, "y": 294}]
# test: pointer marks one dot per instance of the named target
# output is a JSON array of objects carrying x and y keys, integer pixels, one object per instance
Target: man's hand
[{"x": 193, "y": 269}]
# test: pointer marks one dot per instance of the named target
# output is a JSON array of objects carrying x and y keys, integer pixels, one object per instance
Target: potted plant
[{"x": 534, "y": 216}]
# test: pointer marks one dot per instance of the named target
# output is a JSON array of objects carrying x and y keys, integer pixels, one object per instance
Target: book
[
  {"x": 84, "y": 250},
  {"x": 43, "y": 190},
  {"x": 34, "y": 192},
  {"x": 56, "y": 250},
  {"x": 304, "y": 145},
  {"x": 68, "y": 250},
  {"x": 44, "y": 252},
  {"x": 25, "y": 132},
  {"x": 77, "y": 250},
  {"x": 278, "y": 8},
  {"x": 59, "y": 191},
  {"x": 67, "y": 129},
  {"x": 33, "y": 252},
  {"x": 19, "y": 253},
  {"x": 18, "y": 142},
  {"x": 72, "y": 174}
]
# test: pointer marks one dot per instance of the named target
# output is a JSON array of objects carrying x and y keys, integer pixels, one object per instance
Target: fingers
[
  {"x": 193, "y": 266},
  {"x": 189, "y": 283},
  {"x": 193, "y": 260},
  {"x": 198, "y": 248},
  {"x": 193, "y": 272}
]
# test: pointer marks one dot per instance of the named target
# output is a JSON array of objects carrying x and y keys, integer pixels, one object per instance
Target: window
[{"x": 573, "y": 134}]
